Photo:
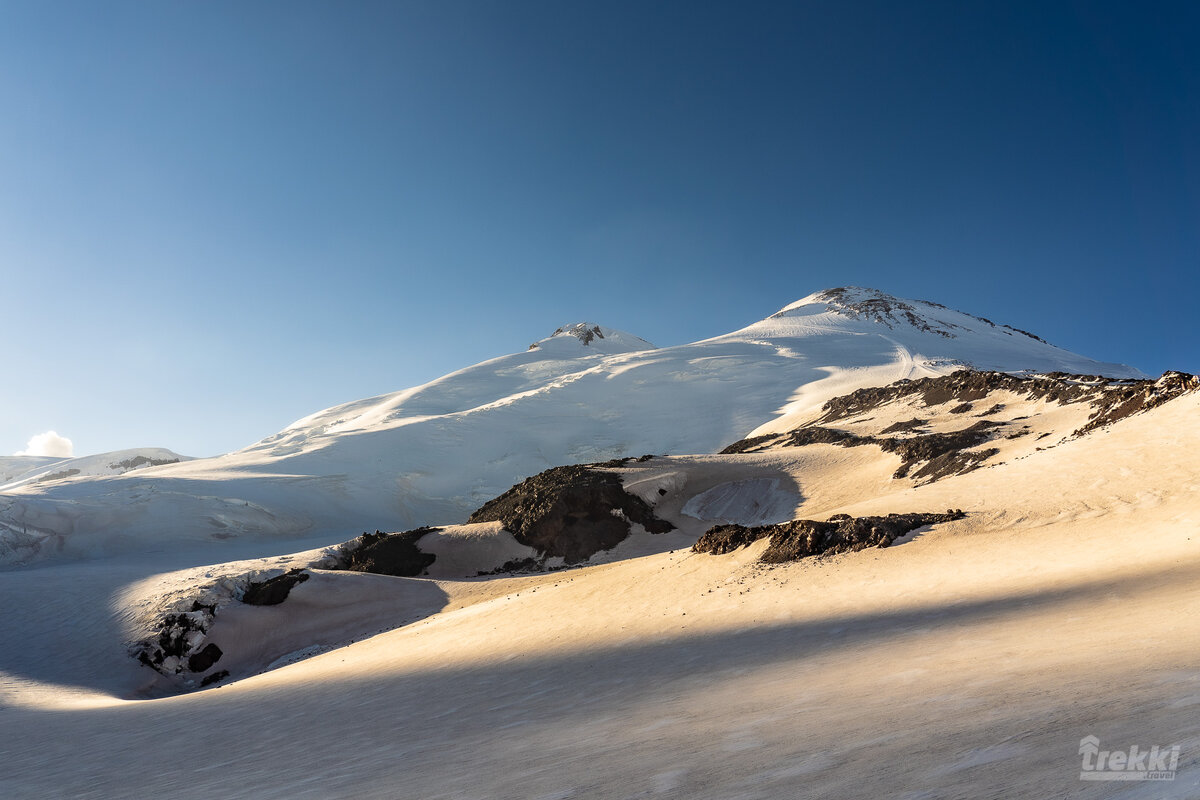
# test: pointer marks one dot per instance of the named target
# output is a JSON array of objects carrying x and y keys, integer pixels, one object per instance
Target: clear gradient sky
[{"x": 217, "y": 217}]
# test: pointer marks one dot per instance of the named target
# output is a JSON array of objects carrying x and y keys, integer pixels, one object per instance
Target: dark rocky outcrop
[
  {"x": 908, "y": 426},
  {"x": 209, "y": 680},
  {"x": 942, "y": 451},
  {"x": 389, "y": 553},
  {"x": 573, "y": 512},
  {"x": 177, "y": 646},
  {"x": 930, "y": 446},
  {"x": 617, "y": 463},
  {"x": 581, "y": 332},
  {"x": 171, "y": 647},
  {"x": 799, "y": 437},
  {"x": 748, "y": 445},
  {"x": 802, "y": 538},
  {"x": 1130, "y": 398},
  {"x": 949, "y": 463},
  {"x": 58, "y": 476},
  {"x": 202, "y": 661},
  {"x": 818, "y": 435},
  {"x": 274, "y": 591},
  {"x": 1024, "y": 333},
  {"x": 516, "y": 565},
  {"x": 586, "y": 334},
  {"x": 142, "y": 461}
]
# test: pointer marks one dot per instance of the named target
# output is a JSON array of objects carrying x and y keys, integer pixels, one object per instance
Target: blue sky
[{"x": 217, "y": 217}]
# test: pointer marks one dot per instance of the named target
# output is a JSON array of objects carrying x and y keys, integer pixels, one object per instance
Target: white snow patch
[
  {"x": 463, "y": 551},
  {"x": 756, "y": 501}
]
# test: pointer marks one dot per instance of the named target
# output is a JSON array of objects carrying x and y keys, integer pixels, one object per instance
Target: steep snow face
[
  {"x": 926, "y": 329},
  {"x": 927, "y": 339},
  {"x": 855, "y": 302},
  {"x": 431, "y": 454}
]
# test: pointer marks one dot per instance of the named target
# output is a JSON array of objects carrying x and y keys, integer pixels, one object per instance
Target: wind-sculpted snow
[
  {"x": 234, "y": 620},
  {"x": 431, "y": 454},
  {"x": 754, "y": 501}
]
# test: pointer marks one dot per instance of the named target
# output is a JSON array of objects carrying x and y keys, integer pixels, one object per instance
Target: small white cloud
[{"x": 49, "y": 444}]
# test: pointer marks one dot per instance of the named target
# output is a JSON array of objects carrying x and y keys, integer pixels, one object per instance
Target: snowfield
[
  {"x": 966, "y": 660},
  {"x": 431, "y": 454}
]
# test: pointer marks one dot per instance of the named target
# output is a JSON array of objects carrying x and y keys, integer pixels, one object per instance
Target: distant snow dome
[{"x": 595, "y": 337}]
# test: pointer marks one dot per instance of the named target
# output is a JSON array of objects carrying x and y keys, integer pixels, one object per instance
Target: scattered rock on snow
[
  {"x": 930, "y": 456},
  {"x": 907, "y": 426},
  {"x": 220, "y": 675},
  {"x": 581, "y": 331},
  {"x": 930, "y": 446},
  {"x": 1106, "y": 395},
  {"x": 801, "y": 538},
  {"x": 940, "y": 453}
]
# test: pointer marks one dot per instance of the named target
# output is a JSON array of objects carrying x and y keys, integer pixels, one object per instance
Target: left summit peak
[{"x": 595, "y": 337}]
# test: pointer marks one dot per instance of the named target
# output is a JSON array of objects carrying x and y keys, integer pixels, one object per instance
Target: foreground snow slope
[
  {"x": 433, "y": 453},
  {"x": 886, "y": 441},
  {"x": 965, "y": 662}
]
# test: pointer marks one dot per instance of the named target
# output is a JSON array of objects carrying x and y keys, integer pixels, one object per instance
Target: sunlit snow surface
[
  {"x": 966, "y": 661},
  {"x": 434, "y": 453}
]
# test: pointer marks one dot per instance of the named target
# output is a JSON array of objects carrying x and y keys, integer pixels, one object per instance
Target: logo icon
[{"x": 1134, "y": 764}]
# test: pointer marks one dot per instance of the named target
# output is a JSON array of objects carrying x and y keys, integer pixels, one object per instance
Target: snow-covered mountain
[
  {"x": 878, "y": 446},
  {"x": 18, "y": 471},
  {"x": 912, "y": 588},
  {"x": 433, "y": 453}
]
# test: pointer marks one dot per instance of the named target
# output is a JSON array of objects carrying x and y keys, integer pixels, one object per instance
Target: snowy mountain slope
[
  {"x": 433, "y": 453},
  {"x": 15, "y": 467},
  {"x": 880, "y": 449},
  {"x": 966, "y": 661},
  {"x": 18, "y": 471}
]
